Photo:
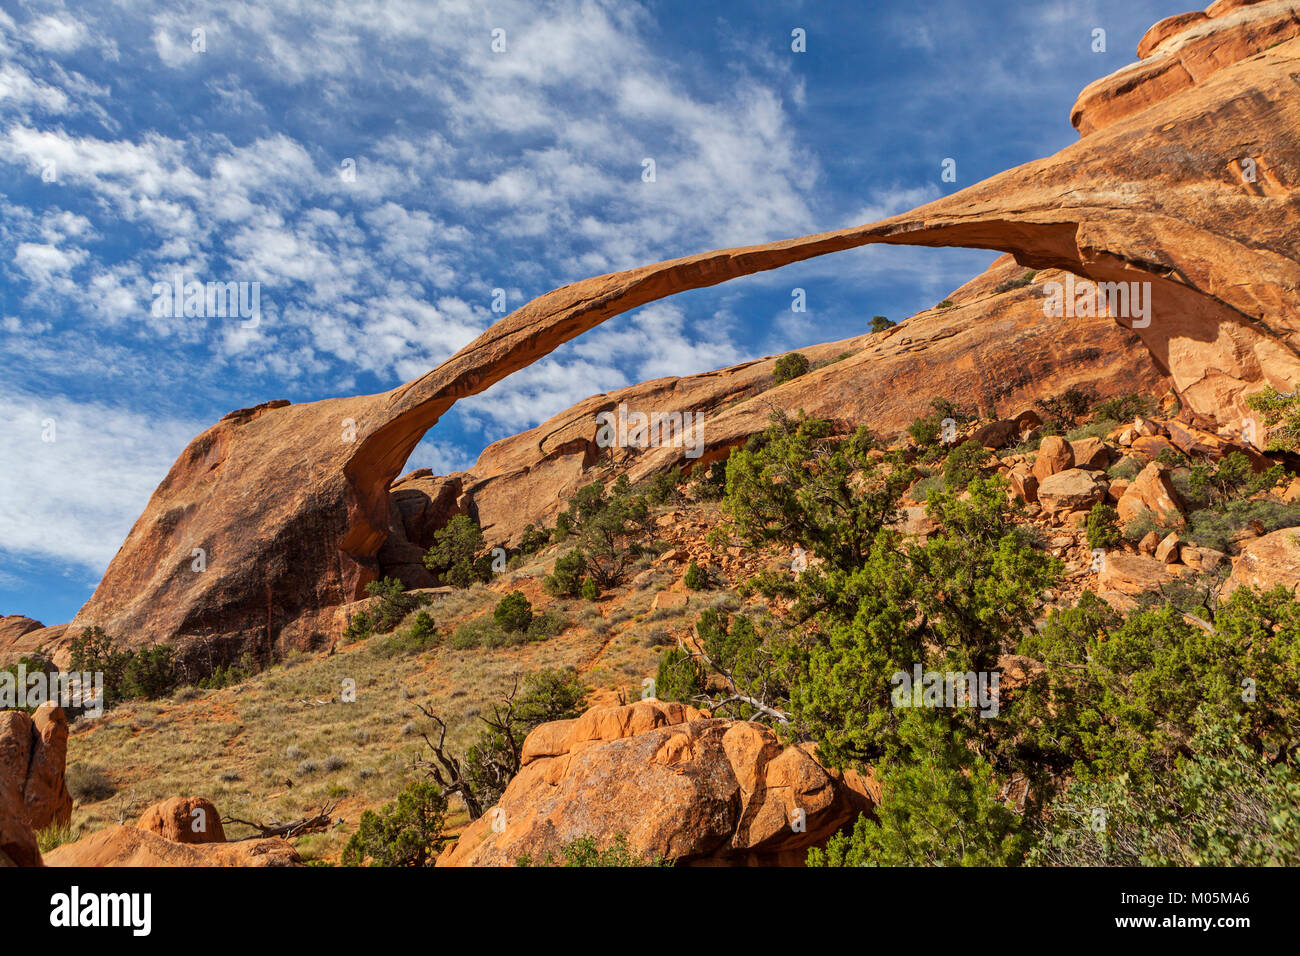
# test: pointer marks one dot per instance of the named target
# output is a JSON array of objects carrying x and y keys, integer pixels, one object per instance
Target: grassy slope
[{"x": 244, "y": 746}]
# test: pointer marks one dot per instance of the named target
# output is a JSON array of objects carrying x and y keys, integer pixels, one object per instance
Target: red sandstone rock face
[
  {"x": 14, "y": 626},
  {"x": 290, "y": 504},
  {"x": 32, "y": 790},
  {"x": 1182, "y": 51},
  {"x": 676, "y": 783}
]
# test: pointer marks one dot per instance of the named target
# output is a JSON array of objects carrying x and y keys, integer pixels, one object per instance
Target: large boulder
[
  {"x": 1071, "y": 490},
  {"x": 1134, "y": 574},
  {"x": 1266, "y": 562},
  {"x": 1092, "y": 453},
  {"x": 673, "y": 781},
  {"x": 1153, "y": 493},
  {"x": 1054, "y": 455},
  {"x": 33, "y": 794},
  {"x": 997, "y": 434},
  {"x": 184, "y": 820}
]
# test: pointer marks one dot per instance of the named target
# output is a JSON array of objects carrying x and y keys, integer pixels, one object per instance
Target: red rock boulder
[
  {"x": 184, "y": 820},
  {"x": 673, "y": 781}
]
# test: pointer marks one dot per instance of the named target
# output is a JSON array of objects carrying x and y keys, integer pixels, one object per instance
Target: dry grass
[{"x": 283, "y": 743}]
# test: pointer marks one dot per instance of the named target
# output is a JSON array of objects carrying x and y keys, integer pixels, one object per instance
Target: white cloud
[
  {"x": 76, "y": 497},
  {"x": 58, "y": 34},
  {"x": 42, "y": 262},
  {"x": 19, "y": 88}
]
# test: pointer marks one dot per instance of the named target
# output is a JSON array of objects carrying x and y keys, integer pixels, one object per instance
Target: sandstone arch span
[{"x": 291, "y": 515}]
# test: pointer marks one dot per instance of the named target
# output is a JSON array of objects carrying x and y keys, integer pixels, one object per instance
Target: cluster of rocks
[{"x": 1060, "y": 483}]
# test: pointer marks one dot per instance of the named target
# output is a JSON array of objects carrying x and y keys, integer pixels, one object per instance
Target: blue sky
[{"x": 127, "y": 155}]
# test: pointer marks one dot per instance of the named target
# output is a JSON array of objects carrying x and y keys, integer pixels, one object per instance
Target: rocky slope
[{"x": 291, "y": 507}]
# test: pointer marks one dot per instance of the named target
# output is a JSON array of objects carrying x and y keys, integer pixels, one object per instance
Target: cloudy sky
[{"x": 379, "y": 169}]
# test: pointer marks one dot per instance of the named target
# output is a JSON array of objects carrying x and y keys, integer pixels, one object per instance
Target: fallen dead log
[{"x": 317, "y": 822}]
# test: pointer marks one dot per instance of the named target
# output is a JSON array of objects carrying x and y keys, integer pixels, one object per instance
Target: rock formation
[
  {"x": 132, "y": 846},
  {"x": 184, "y": 820},
  {"x": 33, "y": 794},
  {"x": 278, "y": 513},
  {"x": 676, "y": 783},
  {"x": 991, "y": 349},
  {"x": 1266, "y": 562}
]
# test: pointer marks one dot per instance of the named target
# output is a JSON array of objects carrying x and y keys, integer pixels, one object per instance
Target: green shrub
[
  {"x": 230, "y": 674},
  {"x": 533, "y": 539},
  {"x": 457, "y": 555},
  {"x": 28, "y": 664},
  {"x": 547, "y": 624},
  {"x": 879, "y": 323},
  {"x": 789, "y": 367},
  {"x": 1126, "y": 468},
  {"x": 88, "y": 783},
  {"x": 833, "y": 510},
  {"x": 1137, "y": 528},
  {"x": 149, "y": 672},
  {"x": 661, "y": 488},
  {"x": 482, "y": 631},
  {"x": 407, "y": 832},
  {"x": 1097, "y": 428},
  {"x": 1281, "y": 414},
  {"x": 1124, "y": 695},
  {"x": 927, "y": 430},
  {"x": 964, "y": 463},
  {"x": 680, "y": 676},
  {"x": 1124, "y": 408},
  {"x": 1103, "y": 527},
  {"x": 1018, "y": 283},
  {"x": 1064, "y": 410},
  {"x": 921, "y": 490},
  {"x": 421, "y": 635},
  {"x": 1222, "y": 805},
  {"x": 360, "y": 626},
  {"x": 494, "y": 759},
  {"x": 943, "y": 808},
  {"x": 615, "y": 534},
  {"x": 513, "y": 612},
  {"x": 1230, "y": 477},
  {"x": 696, "y": 578},
  {"x": 589, "y": 591},
  {"x": 710, "y": 483},
  {"x": 945, "y": 304},
  {"x": 565, "y": 579},
  {"x": 1214, "y": 527},
  {"x": 584, "y": 851},
  {"x": 393, "y": 604},
  {"x": 1172, "y": 459},
  {"x": 54, "y": 836}
]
